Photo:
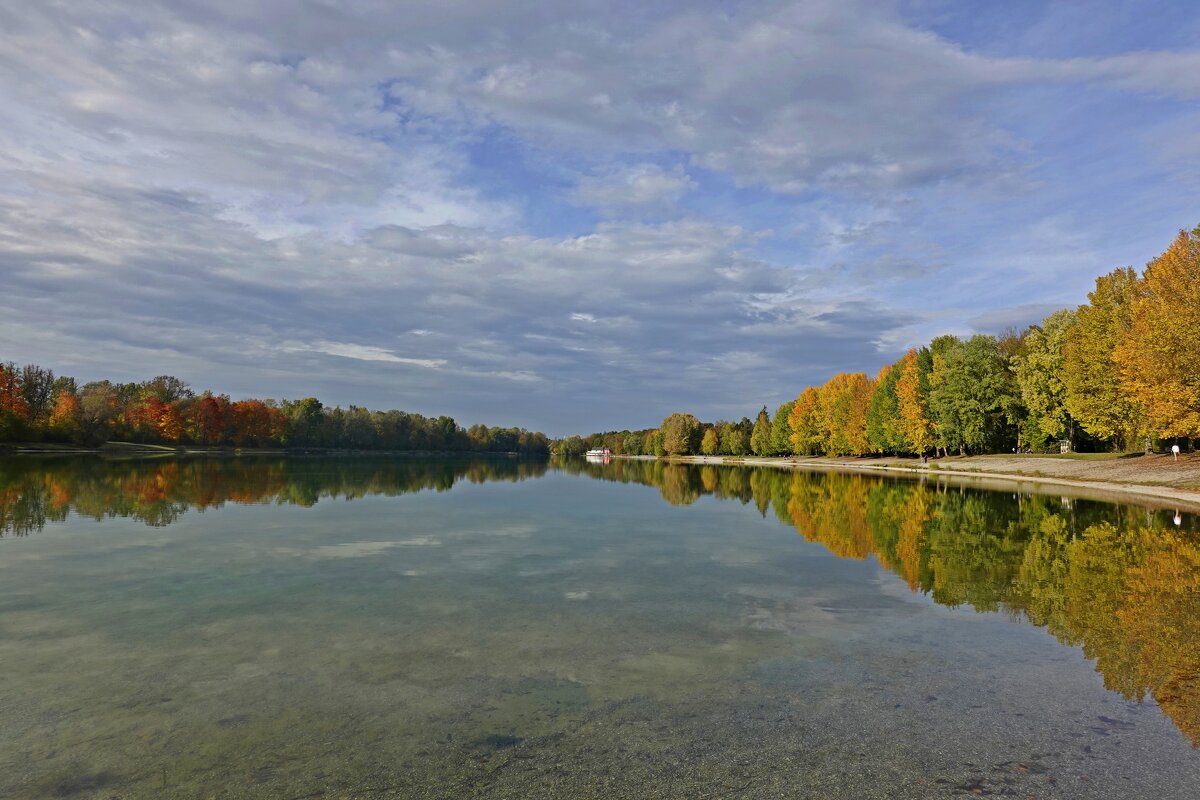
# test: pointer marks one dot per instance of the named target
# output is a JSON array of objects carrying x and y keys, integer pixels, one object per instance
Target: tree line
[
  {"x": 1116, "y": 373},
  {"x": 38, "y": 406}
]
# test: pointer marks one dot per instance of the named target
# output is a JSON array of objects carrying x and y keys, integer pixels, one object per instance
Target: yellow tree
[
  {"x": 1094, "y": 395},
  {"x": 1159, "y": 358},
  {"x": 66, "y": 416},
  {"x": 802, "y": 419},
  {"x": 842, "y": 413},
  {"x": 912, "y": 393}
]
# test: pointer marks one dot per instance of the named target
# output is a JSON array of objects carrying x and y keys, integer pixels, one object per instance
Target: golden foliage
[{"x": 1159, "y": 358}]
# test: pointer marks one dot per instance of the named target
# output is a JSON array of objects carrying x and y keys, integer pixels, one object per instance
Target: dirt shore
[{"x": 1157, "y": 480}]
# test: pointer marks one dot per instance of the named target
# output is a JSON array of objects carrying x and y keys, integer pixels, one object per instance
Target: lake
[{"x": 316, "y": 628}]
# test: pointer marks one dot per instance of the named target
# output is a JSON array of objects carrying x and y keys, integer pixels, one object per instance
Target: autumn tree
[
  {"x": 100, "y": 407},
  {"x": 710, "y": 442},
  {"x": 1159, "y": 357},
  {"x": 1094, "y": 395},
  {"x": 681, "y": 434},
  {"x": 167, "y": 388},
  {"x": 842, "y": 413},
  {"x": 14, "y": 408},
  {"x": 66, "y": 418},
  {"x": 806, "y": 435},
  {"x": 912, "y": 395}
]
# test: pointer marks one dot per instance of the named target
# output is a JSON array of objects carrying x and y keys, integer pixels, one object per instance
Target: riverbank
[{"x": 1156, "y": 480}]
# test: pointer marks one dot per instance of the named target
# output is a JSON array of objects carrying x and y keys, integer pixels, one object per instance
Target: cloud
[
  {"x": 372, "y": 203},
  {"x": 642, "y": 188},
  {"x": 367, "y": 353}
]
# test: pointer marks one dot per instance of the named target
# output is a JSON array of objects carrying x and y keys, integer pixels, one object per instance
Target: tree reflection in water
[
  {"x": 1121, "y": 582},
  {"x": 157, "y": 492}
]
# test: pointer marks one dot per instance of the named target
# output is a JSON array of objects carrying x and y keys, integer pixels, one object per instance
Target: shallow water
[{"x": 310, "y": 628}]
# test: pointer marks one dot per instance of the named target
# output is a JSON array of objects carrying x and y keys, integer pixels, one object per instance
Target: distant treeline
[
  {"x": 1114, "y": 374},
  {"x": 38, "y": 406}
]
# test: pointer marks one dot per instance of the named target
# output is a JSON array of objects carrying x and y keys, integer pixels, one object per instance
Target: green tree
[
  {"x": 572, "y": 447},
  {"x": 760, "y": 437},
  {"x": 1039, "y": 372},
  {"x": 973, "y": 395},
  {"x": 1094, "y": 395},
  {"x": 885, "y": 432},
  {"x": 781, "y": 429},
  {"x": 735, "y": 441},
  {"x": 655, "y": 443}
]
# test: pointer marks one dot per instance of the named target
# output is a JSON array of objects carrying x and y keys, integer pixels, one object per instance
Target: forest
[
  {"x": 1119, "y": 373},
  {"x": 38, "y": 406}
]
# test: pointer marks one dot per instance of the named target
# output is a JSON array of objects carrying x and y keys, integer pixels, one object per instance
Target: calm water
[{"x": 334, "y": 629}]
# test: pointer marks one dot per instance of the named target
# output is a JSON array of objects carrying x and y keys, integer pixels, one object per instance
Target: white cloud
[
  {"x": 343, "y": 205},
  {"x": 367, "y": 353},
  {"x": 641, "y": 188}
]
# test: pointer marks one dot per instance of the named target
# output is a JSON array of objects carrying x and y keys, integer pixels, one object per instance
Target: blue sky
[{"x": 573, "y": 216}]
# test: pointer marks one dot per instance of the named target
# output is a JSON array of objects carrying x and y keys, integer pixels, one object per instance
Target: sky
[{"x": 571, "y": 216}]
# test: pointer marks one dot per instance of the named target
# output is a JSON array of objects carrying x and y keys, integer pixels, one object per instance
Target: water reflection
[
  {"x": 157, "y": 492},
  {"x": 1121, "y": 582}
]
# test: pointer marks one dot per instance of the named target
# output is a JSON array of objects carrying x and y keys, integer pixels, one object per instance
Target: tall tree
[
  {"x": 806, "y": 431},
  {"x": 14, "y": 408},
  {"x": 710, "y": 442},
  {"x": 735, "y": 439},
  {"x": 781, "y": 429},
  {"x": 1040, "y": 377},
  {"x": 1094, "y": 395},
  {"x": 65, "y": 421},
  {"x": 37, "y": 385},
  {"x": 912, "y": 395},
  {"x": 1159, "y": 359},
  {"x": 885, "y": 432},
  {"x": 760, "y": 437},
  {"x": 842, "y": 413},
  {"x": 972, "y": 395},
  {"x": 681, "y": 434}
]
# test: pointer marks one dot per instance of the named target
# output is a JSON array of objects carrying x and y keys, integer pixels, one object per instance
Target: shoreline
[{"x": 1162, "y": 482}]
